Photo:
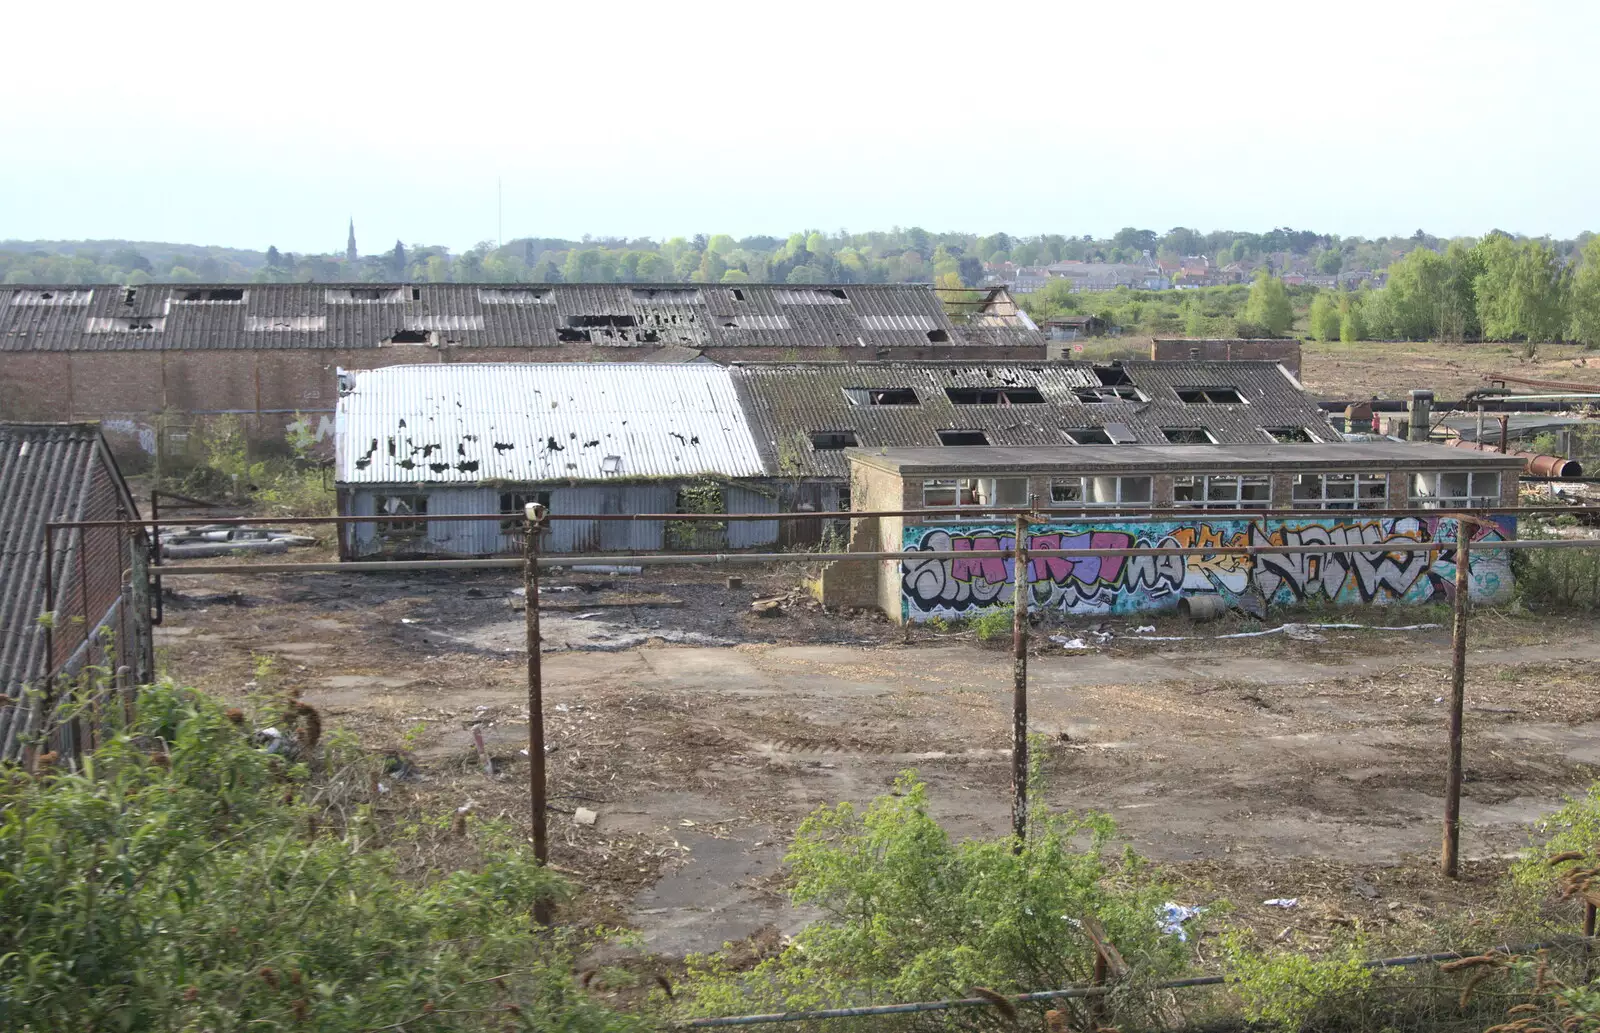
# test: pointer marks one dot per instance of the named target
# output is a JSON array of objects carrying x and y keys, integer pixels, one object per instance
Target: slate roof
[
  {"x": 462, "y": 423},
  {"x": 790, "y": 401},
  {"x": 858, "y": 318}
]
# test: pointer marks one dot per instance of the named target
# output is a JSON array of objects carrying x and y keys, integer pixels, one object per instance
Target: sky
[{"x": 248, "y": 125}]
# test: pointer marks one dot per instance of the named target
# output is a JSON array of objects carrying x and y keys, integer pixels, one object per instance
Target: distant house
[
  {"x": 1108, "y": 276},
  {"x": 1027, "y": 279},
  {"x": 1073, "y": 328},
  {"x": 64, "y": 607}
]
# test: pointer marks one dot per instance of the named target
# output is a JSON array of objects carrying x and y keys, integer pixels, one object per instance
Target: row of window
[
  {"x": 1116, "y": 434},
  {"x": 1364, "y": 490},
  {"x": 1025, "y": 395}
]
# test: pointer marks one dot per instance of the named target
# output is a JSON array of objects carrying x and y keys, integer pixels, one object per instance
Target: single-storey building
[
  {"x": 589, "y": 438},
  {"x": 1073, "y": 328},
  {"x": 1131, "y": 485},
  {"x": 64, "y": 607}
]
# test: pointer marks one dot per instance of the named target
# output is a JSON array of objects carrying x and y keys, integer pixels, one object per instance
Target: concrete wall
[{"x": 957, "y": 588}]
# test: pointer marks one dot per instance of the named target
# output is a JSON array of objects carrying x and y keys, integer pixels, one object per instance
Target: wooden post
[
  {"x": 1450, "y": 856},
  {"x": 1019, "y": 687},
  {"x": 536, "y": 772}
]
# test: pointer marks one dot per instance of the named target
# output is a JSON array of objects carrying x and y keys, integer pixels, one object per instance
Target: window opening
[
  {"x": 832, "y": 440},
  {"x": 938, "y": 336},
  {"x": 963, "y": 437},
  {"x": 1222, "y": 491},
  {"x": 1100, "y": 491},
  {"x": 881, "y": 396},
  {"x": 1188, "y": 435},
  {"x": 1289, "y": 435},
  {"x": 1111, "y": 393},
  {"x": 214, "y": 294},
  {"x": 1112, "y": 376},
  {"x": 1455, "y": 489},
  {"x": 401, "y": 505},
  {"x": 407, "y": 337},
  {"x": 1364, "y": 490},
  {"x": 594, "y": 320},
  {"x": 514, "y": 507},
  {"x": 1087, "y": 436},
  {"x": 956, "y": 492},
  {"x": 994, "y": 395},
  {"x": 1210, "y": 395}
]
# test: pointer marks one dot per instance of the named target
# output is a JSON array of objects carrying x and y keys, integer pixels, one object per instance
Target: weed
[{"x": 994, "y": 624}]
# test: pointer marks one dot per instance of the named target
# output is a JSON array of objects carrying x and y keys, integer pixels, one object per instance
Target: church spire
[{"x": 350, "y": 247}]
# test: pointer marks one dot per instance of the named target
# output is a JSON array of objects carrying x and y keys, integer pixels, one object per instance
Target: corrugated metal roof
[
  {"x": 790, "y": 401},
  {"x": 470, "y": 422},
  {"x": 158, "y": 317},
  {"x": 1344, "y": 455}
]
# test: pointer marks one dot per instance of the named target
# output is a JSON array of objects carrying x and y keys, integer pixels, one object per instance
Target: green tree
[
  {"x": 1352, "y": 327},
  {"x": 720, "y": 244},
  {"x": 1324, "y": 317},
  {"x": 1330, "y": 262},
  {"x": 1521, "y": 290},
  {"x": 1268, "y": 306},
  {"x": 1584, "y": 299},
  {"x": 735, "y": 276}
]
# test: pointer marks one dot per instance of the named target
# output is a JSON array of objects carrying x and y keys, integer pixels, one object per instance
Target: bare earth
[
  {"x": 1378, "y": 369},
  {"x": 1250, "y": 768}
]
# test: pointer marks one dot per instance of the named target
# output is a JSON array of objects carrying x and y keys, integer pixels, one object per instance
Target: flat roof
[{"x": 1329, "y": 456}]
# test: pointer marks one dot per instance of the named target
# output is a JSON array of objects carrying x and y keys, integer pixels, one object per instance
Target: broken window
[
  {"x": 1100, "y": 491},
  {"x": 400, "y": 506},
  {"x": 702, "y": 498},
  {"x": 125, "y": 324},
  {"x": 203, "y": 294},
  {"x": 1109, "y": 393},
  {"x": 999, "y": 492},
  {"x": 963, "y": 437},
  {"x": 1087, "y": 436},
  {"x": 995, "y": 395},
  {"x": 1455, "y": 489},
  {"x": 1188, "y": 435},
  {"x": 1210, "y": 395},
  {"x": 832, "y": 440},
  {"x": 601, "y": 320},
  {"x": 1341, "y": 490},
  {"x": 1112, "y": 376},
  {"x": 407, "y": 337},
  {"x": 880, "y": 395},
  {"x": 1289, "y": 435},
  {"x": 514, "y": 507},
  {"x": 1222, "y": 491}
]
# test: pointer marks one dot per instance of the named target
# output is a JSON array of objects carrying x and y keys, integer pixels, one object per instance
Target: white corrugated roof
[{"x": 469, "y": 422}]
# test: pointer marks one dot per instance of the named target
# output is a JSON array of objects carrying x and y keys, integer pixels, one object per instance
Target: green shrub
[
  {"x": 176, "y": 884},
  {"x": 1285, "y": 990},
  {"x": 994, "y": 624},
  {"x": 907, "y": 914},
  {"x": 1549, "y": 579}
]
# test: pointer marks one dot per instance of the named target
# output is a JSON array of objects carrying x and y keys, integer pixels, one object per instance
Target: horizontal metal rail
[
  {"x": 1066, "y": 514},
  {"x": 906, "y": 556},
  {"x": 1102, "y": 990}
]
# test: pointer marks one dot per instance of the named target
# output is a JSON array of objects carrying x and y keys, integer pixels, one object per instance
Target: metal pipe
[
  {"x": 1538, "y": 464},
  {"x": 1458, "y": 687},
  {"x": 536, "y": 765},
  {"x": 1019, "y": 688}
]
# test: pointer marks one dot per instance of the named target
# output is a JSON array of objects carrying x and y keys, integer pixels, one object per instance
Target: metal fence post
[
  {"x": 536, "y": 771},
  {"x": 1450, "y": 855},
  {"x": 1019, "y": 686}
]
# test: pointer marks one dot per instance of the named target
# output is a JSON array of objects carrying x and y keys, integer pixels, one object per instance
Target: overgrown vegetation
[
  {"x": 281, "y": 486},
  {"x": 186, "y": 879},
  {"x": 1548, "y": 579},
  {"x": 908, "y": 914}
]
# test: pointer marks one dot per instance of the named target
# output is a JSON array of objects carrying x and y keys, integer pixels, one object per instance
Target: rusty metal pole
[
  {"x": 1019, "y": 686},
  {"x": 1450, "y": 856},
  {"x": 535, "y": 514}
]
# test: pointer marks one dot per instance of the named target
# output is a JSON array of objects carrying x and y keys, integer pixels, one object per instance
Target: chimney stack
[{"x": 1421, "y": 410}]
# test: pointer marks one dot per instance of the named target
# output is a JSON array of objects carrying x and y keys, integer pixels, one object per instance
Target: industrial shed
[
  {"x": 598, "y": 438},
  {"x": 65, "y": 607}
]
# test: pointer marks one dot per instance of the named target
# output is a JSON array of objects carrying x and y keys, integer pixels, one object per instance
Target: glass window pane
[
  {"x": 938, "y": 493},
  {"x": 1135, "y": 489},
  {"x": 1183, "y": 489},
  {"x": 1486, "y": 483},
  {"x": 1308, "y": 486},
  {"x": 1067, "y": 491},
  {"x": 1011, "y": 491},
  {"x": 1259, "y": 491},
  {"x": 1222, "y": 489}
]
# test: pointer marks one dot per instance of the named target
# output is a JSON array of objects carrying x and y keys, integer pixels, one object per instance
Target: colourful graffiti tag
[{"x": 963, "y": 587}]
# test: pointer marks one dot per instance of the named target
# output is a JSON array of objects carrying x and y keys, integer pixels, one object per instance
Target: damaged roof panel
[
  {"x": 529, "y": 422},
  {"x": 848, "y": 317}
]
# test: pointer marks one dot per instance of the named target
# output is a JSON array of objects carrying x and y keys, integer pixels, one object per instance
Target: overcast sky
[{"x": 255, "y": 124}]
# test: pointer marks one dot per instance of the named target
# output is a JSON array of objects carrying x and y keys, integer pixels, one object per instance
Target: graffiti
[{"x": 965, "y": 586}]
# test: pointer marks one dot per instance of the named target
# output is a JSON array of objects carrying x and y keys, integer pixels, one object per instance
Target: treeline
[{"x": 898, "y": 255}]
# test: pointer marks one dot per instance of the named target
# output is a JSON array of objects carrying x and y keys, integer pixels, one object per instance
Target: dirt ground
[
  {"x": 1380, "y": 369},
  {"x": 701, "y": 734}
]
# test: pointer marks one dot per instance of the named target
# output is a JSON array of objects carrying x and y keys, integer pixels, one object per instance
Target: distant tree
[
  {"x": 1135, "y": 240},
  {"x": 1351, "y": 325},
  {"x": 652, "y": 268},
  {"x": 1324, "y": 317},
  {"x": 1268, "y": 305},
  {"x": 1521, "y": 290},
  {"x": 817, "y": 244},
  {"x": 131, "y": 258},
  {"x": 1585, "y": 296},
  {"x": 720, "y": 244},
  {"x": 438, "y": 270},
  {"x": 735, "y": 276},
  {"x": 547, "y": 272},
  {"x": 970, "y": 270},
  {"x": 274, "y": 259},
  {"x": 806, "y": 274},
  {"x": 711, "y": 268},
  {"x": 397, "y": 261},
  {"x": 1330, "y": 262},
  {"x": 699, "y": 243}
]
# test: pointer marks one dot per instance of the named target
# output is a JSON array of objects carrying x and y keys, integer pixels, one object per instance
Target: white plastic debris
[
  {"x": 1069, "y": 643},
  {"x": 584, "y": 816},
  {"x": 1144, "y": 629},
  {"x": 1171, "y": 916},
  {"x": 590, "y": 616},
  {"x": 1283, "y": 902},
  {"x": 1303, "y": 632}
]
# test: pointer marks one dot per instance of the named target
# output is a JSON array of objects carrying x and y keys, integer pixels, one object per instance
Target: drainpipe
[{"x": 1421, "y": 409}]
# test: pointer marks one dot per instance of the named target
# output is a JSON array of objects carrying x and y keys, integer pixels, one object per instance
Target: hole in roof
[
  {"x": 881, "y": 396},
  {"x": 1210, "y": 395},
  {"x": 213, "y": 294},
  {"x": 995, "y": 395},
  {"x": 1112, "y": 375},
  {"x": 1087, "y": 435},
  {"x": 738, "y": 295},
  {"x": 408, "y": 337},
  {"x": 513, "y": 296},
  {"x": 963, "y": 437},
  {"x": 938, "y": 336},
  {"x": 1289, "y": 435},
  {"x": 1188, "y": 435},
  {"x": 1115, "y": 393},
  {"x": 832, "y": 440},
  {"x": 416, "y": 294},
  {"x": 594, "y": 320},
  {"x": 564, "y": 333}
]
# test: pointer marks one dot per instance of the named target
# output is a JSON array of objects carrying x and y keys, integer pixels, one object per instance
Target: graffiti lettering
[{"x": 960, "y": 586}]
